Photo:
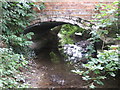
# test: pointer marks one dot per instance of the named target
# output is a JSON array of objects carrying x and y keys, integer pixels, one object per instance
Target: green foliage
[
  {"x": 15, "y": 17},
  {"x": 97, "y": 69},
  {"x": 107, "y": 19},
  {"x": 107, "y": 14},
  {"x": 18, "y": 43},
  {"x": 107, "y": 63},
  {"x": 10, "y": 64},
  {"x": 66, "y": 33},
  {"x": 14, "y": 40}
]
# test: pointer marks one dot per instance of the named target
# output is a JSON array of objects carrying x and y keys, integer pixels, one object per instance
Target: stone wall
[{"x": 78, "y": 8}]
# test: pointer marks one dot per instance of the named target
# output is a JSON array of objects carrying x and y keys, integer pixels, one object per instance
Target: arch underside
[
  {"x": 44, "y": 37},
  {"x": 51, "y": 22}
]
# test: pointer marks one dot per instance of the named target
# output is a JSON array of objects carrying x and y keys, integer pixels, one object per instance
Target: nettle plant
[{"x": 107, "y": 64}]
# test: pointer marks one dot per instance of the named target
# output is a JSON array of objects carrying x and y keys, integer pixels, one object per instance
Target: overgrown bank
[
  {"x": 107, "y": 63},
  {"x": 13, "y": 44}
]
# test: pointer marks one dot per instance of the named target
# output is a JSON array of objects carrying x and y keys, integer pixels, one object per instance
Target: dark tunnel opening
[
  {"x": 46, "y": 40},
  {"x": 44, "y": 37}
]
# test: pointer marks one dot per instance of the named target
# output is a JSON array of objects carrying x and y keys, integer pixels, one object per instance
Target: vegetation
[
  {"x": 67, "y": 33},
  {"x": 107, "y": 64},
  {"x": 107, "y": 19},
  {"x": 10, "y": 66},
  {"x": 15, "y": 17}
]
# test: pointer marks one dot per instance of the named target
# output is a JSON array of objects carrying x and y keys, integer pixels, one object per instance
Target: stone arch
[
  {"x": 51, "y": 21},
  {"x": 42, "y": 26}
]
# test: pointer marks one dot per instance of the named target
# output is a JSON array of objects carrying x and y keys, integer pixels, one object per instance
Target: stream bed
[{"x": 43, "y": 73}]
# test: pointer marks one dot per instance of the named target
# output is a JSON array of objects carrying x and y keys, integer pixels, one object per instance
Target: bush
[
  {"x": 107, "y": 19},
  {"x": 15, "y": 17},
  {"x": 107, "y": 64},
  {"x": 10, "y": 64}
]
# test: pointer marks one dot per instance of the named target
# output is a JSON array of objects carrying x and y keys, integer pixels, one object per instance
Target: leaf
[
  {"x": 86, "y": 78},
  {"x": 101, "y": 77},
  {"x": 1, "y": 84},
  {"x": 97, "y": 72},
  {"x": 99, "y": 67},
  {"x": 112, "y": 74},
  {"x": 99, "y": 82},
  {"x": 78, "y": 72},
  {"x": 92, "y": 86},
  {"x": 29, "y": 35}
]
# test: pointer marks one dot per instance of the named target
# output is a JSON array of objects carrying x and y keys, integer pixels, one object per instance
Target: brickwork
[{"x": 79, "y": 8}]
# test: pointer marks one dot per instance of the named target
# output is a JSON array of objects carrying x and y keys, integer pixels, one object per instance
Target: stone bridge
[
  {"x": 45, "y": 38},
  {"x": 49, "y": 22}
]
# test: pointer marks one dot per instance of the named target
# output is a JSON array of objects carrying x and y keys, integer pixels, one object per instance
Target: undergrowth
[
  {"x": 10, "y": 66},
  {"x": 16, "y": 16},
  {"x": 107, "y": 62}
]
